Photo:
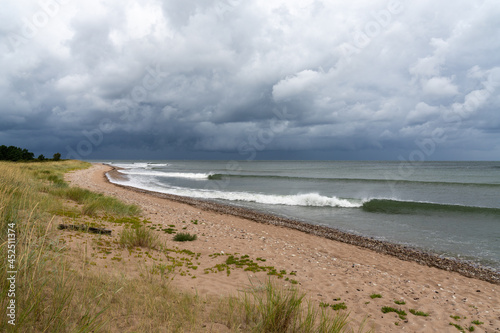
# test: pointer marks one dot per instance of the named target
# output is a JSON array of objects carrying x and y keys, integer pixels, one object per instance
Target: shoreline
[
  {"x": 383, "y": 247},
  {"x": 326, "y": 271}
]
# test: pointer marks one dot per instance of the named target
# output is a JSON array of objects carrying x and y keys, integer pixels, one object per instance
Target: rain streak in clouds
[{"x": 251, "y": 79}]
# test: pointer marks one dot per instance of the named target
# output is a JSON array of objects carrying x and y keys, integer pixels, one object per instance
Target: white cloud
[
  {"x": 422, "y": 113},
  {"x": 440, "y": 87},
  {"x": 296, "y": 84}
]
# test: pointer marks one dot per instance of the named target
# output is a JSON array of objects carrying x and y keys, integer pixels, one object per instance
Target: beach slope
[{"x": 328, "y": 271}]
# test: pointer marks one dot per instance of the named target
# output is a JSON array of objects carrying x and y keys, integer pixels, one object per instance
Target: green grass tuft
[
  {"x": 401, "y": 313},
  {"x": 184, "y": 237},
  {"x": 418, "y": 313},
  {"x": 458, "y": 327},
  {"x": 372, "y": 296},
  {"x": 339, "y": 306},
  {"x": 138, "y": 237}
]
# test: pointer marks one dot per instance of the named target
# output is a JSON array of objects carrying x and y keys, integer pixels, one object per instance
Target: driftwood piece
[{"x": 85, "y": 228}]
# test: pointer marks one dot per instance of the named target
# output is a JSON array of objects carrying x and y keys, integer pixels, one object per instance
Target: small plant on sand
[
  {"x": 401, "y": 313},
  {"x": 477, "y": 322},
  {"x": 400, "y": 302},
  {"x": 184, "y": 237},
  {"x": 458, "y": 327},
  {"x": 418, "y": 313},
  {"x": 339, "y": 306},
  {"x": 277, "y": 308},
  {"x": 138, "y": 237},
  {"x": 372, "y": 296},
  {"x": 336, "y": 307}
]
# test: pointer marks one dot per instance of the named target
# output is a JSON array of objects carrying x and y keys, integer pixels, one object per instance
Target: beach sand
[{"x": 328, "y": 271}]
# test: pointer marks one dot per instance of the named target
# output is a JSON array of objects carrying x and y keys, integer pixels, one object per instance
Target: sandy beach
[{"x": 328, "y": 271}]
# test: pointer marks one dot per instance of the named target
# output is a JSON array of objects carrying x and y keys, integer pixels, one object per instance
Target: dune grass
[
  {"x": 139, "y": 237},
  {"x": 45, "y": 293},
  {"x": 272, "y": 307},
  {"x": 93, "y": 203},
  {"x": 55, "y": 293}
]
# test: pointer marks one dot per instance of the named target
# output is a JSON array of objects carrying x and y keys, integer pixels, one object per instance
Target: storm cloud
[{"x": 251, "y": 79}]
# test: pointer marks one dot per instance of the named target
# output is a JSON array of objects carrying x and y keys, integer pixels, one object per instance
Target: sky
[{"x": 264, "y": 79}]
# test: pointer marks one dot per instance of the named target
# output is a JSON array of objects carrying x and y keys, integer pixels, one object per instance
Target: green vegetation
[
  {"x": 276, "y": 309},
  {"x": 272, "y": 308},
  {"x": 141, "y": 237},
  {"x": 336, "y": 307},
  {"x": 401, "y": 313},
  {"x": 339, "y": 306},
  {"x": 94, "y": 203},
  {"x": 16, "y": 154},
  {"x": 400, "y": 302},
  {"x": 184, "y": 237},
  {"x": 12, "y": 153},
  {"x": 48, "y": 296},
  {"x": 458, "y": 327},
  {"x": 248, "y": 265},
  {"x": 470, "y": 328},
  {"x": 419, "y": 313},
  {"x": 169, "y": 230},
  {"x": 372, "y": 296}
]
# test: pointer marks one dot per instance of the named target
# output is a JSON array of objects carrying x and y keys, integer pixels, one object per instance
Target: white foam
[
  {"x": 134, "y": 165},
  {"x": 139, "y": 172},
  {"x": 307, "y": 199},
  {"x": 158, "y": 164}
]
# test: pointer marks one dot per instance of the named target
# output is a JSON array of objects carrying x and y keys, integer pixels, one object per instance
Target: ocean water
[{"x": 448, "y": 208}]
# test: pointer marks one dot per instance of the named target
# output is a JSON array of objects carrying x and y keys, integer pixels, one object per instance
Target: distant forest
[{"x": 16, "y": 154}]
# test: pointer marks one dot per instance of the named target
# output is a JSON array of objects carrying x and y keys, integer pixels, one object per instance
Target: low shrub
[{"x": 184, "y": 237}]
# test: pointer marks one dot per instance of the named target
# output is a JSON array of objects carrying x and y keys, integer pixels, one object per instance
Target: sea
[{"x": 451, "y": 209}]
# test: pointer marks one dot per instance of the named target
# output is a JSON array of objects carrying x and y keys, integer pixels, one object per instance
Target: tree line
[{"x": 16, "y": 154}]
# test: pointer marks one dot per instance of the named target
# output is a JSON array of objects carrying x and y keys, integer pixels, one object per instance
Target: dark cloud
[{"x": 267, "y": 79}]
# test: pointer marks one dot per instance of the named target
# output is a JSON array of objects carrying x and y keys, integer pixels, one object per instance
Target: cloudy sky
[{"x": 261, "y": 79}]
